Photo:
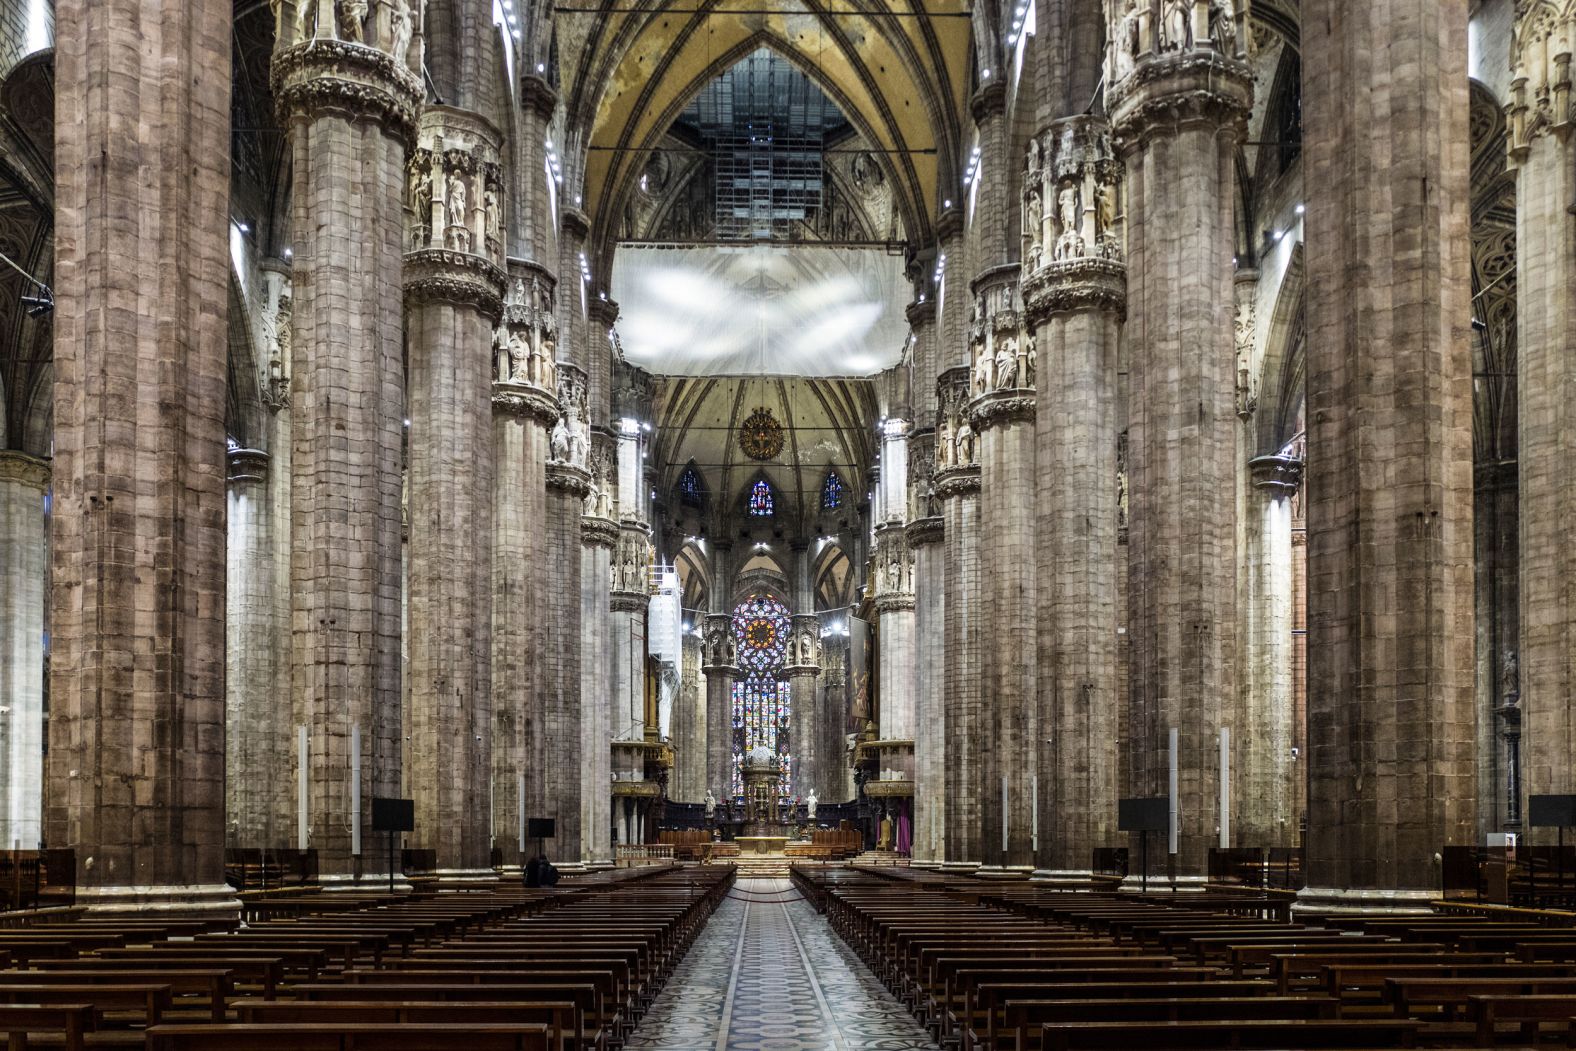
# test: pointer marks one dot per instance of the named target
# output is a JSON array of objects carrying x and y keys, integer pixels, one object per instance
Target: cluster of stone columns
[{"x": 24, "y": 580}]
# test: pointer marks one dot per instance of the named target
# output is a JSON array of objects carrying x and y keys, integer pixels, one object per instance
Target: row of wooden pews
[
  {"x": 1023, "y": 967},
  {"x": 500, "y": 966}
]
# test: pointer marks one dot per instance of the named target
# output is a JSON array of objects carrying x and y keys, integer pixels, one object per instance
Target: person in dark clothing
[
  {"x": 549, "y": 875},
  {"x": 533, "y": 871}
]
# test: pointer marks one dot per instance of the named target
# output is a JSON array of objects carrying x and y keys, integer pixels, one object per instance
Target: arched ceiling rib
[
  {"x": 826, "y": 424},
  {"x": 631, "y": 66}
]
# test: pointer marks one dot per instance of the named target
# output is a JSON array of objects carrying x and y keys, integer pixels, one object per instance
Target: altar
[{"x": 761, "y": 844}]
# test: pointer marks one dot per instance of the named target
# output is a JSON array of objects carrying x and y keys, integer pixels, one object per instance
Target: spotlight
[{"x": 41, "y": 304}]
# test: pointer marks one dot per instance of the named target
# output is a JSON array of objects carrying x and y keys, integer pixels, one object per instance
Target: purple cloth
[{"x": 905, "y": 838}]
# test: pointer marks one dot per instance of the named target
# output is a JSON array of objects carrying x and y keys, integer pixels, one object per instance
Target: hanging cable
[{"x": 37, "y": 305}]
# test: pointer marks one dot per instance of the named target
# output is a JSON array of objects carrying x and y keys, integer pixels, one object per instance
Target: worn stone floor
[{"x": 768, "y": 974}]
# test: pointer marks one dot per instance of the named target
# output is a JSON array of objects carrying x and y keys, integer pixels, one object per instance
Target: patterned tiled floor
[{"x": 768, "y": 974}]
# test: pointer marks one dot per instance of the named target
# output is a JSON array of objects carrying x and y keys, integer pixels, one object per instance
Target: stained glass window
[
  {"x": 761, "y": 709},
  {"x": 832, "y": 492},
  {"x": 689, "y": 487},
  {"x": 761, "y": 502}
]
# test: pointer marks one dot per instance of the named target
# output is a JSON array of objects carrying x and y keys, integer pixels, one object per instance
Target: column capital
[
  {"x": 989, "y": 101},
  {"x": 1001, "y": 407},
  {"x": 1173, "y": 90},
  {"x": 1088, "y": 284},
  {"x": 22, "y": 469},
  {"x": 1071, "y": 190},
  {"x": 720, "y": 652},
  {"x": 1278, "y": 474},
  {"x": 440, "y": 275},
  {"x": 538, "y": 95},
  {"x": 526, "y": 401},
  {"x": 925, "y": 531},
  {"x": 568, "y": 478},
  {"x": 921, "y": 313},
  {"x": 1540, "y": 87},
  {"x": 575, "y": 222},
  {"x": 324, "y": 76},
  {"x": 958, "y": 481},
  {"x": 598, "y": 532},
  {"x": 243, "y": 465},
  {"x": 603, "y": 311},
  {"x": 629, "y": 602}
]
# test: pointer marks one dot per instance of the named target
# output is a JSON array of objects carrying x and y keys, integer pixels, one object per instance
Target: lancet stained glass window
[
  {"x": 689, "y": 487},
  {"x": 832, "y": 492},
  {"x": 761, "y": 501},
  {"x": 761, "y": 708}
]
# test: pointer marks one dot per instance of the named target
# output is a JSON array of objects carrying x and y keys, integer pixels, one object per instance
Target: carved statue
[
  {"x": 558, "y": 441},
  {"x": 1177, "y": 26},
  {"x": 456, "y": 199},
  {"x": 1030, "y": 360},
  {"x": 982, "y": 372},
  {"x": 494, "y": 215},
  {"x": 711, "y": 805},
  {"x": 1034, "y": 155},
  {"x": 965, "y": 444},
  {"x": 402, "y": 23},
  {"x": 1132, "y": 44},
  {"x": 353, "y": 20},
  {"x": 519, "y": 356},
  {"x": 1007, "y": 364},
  {"x": 1510, "y": 678},
  {"x": 305, "y": 20},
  {"x": 1067, "y": 209},
  {"x": 1223, "y": 26},
  {"x": 421, "y": 199},
  {"x": 810, "y": 804},
  {"x": 1034, "y": 215}
]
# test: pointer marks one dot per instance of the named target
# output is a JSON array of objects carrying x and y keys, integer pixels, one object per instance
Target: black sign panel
[
  {"x": 540, "y": 827},
  {"x": 393, "y": 815},
  {"x": 1551, "y": 811},
  {"x": 1143, "y": 815}
]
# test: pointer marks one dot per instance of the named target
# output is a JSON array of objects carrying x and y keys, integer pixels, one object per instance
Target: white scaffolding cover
[{"x": 751, "y": 310}]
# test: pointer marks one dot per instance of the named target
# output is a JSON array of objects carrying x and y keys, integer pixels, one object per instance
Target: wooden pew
[
  {"x": 71, "y": 1022},
  {"x": 558, "y": 1016},
  {"x": 1223, "y": 1035},
  {"x": 212, "y": 985},
  {"x": 349, "y": 1037}
]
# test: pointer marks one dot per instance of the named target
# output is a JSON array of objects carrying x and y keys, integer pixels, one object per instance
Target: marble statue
[
  {"x": 1007, "y": 364},
  {"x": 558, "y": 441},
  {"x": 1510, "y": 678},
  {"x": 305, "y": 19},
  {"x": 494, "y": 215},
  {"x": 421, "y": 197},
  {"x": 1035, "y": 214},
  {"x": 353, "y": 20},
  {"x": 711, "y": 805},
  {"x": 965, "y": 443},
  {"x": 1031, "y": 355},
  {"x": 519, "y": 356},
  {"x": 810, "y": 804},
  {"x": 1223, "y": 26},
  {"x": 1177, "y": 26},
  {"x": 1034, "y": 155},
  {"x": 402, "y": 22},
  {"x": 456, "y": 199}
]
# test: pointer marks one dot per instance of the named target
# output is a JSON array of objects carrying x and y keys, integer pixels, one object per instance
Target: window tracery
[
  {"x": 762, "y": 501},
  {"x": 832, "y": 492},
  {"x": 761, "y": 702}
]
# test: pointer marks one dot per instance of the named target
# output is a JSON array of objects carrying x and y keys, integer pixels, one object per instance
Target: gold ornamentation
[{"x": 761, "y": 436}]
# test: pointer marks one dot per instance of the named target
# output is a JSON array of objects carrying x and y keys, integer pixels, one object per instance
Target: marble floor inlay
[{"x": 768, "y": 974}]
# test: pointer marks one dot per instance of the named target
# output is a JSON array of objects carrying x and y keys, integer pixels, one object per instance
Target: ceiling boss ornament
[{"x": 761, "y": 436}]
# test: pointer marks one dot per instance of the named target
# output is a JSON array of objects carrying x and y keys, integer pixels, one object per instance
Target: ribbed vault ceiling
[
  {"x": 826, "y": 423},
  {"x": 630, "y": 67}
]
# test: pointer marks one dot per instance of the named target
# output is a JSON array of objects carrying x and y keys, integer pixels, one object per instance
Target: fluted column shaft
[
  {"x": 1390, "y": 720},
  {"x": 807, "y": 735},
  {"x": 1542, "y": 156},
  {"x": 931, "y": 747},
  {"x": 257, "y": 737},
  {"x": 599, "y": 702},
  {"x": 142, "y": 144},
  {"x": 351, "y": 115},
  {"x": 525, "y": 407},
  {"x": 689, "y": 727},
  {"x": 1074, "y": 295},
  {"x": 720, "y": 670},
  {"x": 1177, "y": 119},
  {"x": 967, "y": 720},
  {"x": 24, "y": 579},
  {"x": 556, "y": 750},
  {"x": 1264, "y": 806}
]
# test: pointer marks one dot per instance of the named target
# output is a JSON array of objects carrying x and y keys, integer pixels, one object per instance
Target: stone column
[
  {"x": 454, "y": 286},
  {"x": 1542, "y": 155},
  {"x": 24, "y": 581},
  {"x": 1390, "y": 720},
  {"x": 1075, "y": 293},
  {"x": 525, "y": 408},
  {"x": 351, "y": 112},
  {"x": 720, "y": 668},
  {"x": 556, "y": 750},
  {"x": 966, "y": 719},
  {"x": 630, "y": 600},
  {"x": 1177, "y": 108},
  {"x": 807, "y": 735},
  {"x": 257, "y": 738},
  {"x": 1264, "y": 803},
  {"x": 599, "y": 701},
  {"x": 894, "y": 606},
  {"x": 931, "y": 748},
  {"x": 689, "y": 727},
  {"x": 1002, "y": 412},
  {"x": 136, "y": 728}
]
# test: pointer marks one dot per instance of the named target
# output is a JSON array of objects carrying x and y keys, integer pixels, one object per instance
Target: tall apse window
[
  {"x": 761, "y": 503},
  {"x": 832, "y": 492},
  {"x": 761, "y": 710}
]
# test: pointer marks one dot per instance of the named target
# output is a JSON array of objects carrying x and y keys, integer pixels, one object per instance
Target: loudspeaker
[
  {"x": 1551, "y": 811},
  {"x": 393, "y": 815},
  {"x": 540, "y": 827},
  {"x": 1143, "y": 815}
]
